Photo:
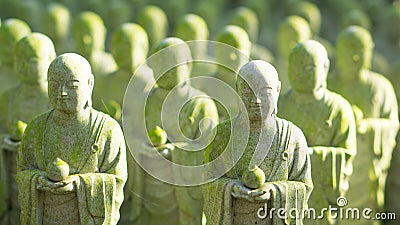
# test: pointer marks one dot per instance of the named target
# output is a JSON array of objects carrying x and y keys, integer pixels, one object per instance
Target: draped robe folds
[
  {"x": 286, "y": 166},
  {"x": 101, "y": 167},
  {"x": 330, "y": 130},
  {"x": 374, "y": 104},
  {"x": 154, "y": 201}
]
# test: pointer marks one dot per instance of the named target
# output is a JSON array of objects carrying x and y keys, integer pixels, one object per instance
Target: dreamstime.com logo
[
  {"x": 337, "y": 213},
  {"x": 178, "y": 59}
]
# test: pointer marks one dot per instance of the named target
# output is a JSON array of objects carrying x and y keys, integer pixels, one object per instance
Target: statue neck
[
  {"x": 79, "y": 117},
  {"x": 257, "y": 123},
  {"x": 309, "y": 97}
]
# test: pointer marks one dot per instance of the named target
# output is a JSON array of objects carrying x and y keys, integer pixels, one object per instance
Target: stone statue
[
  {"x": 375, "y": 107},
  {"x": 327, "y": 121},
  {"x": 129, "y": 47},
  {"x": 88, "y": 37},
  {"x": 154, "y": 201},
  {"x": 247, "y": 19},
  {"x": 232, "y": 59},
  {"x": 192, "y": 27},
  {"x": 11, "y": 31},
  {"x": 280, "y": 150},
  {"x": 291, "y": 30},
  {"x": 18, "y": 105},
  {"x": 71, "y": 135},
  {"x": 154, "y": 20},
  {"x": 55, "y": 23}
]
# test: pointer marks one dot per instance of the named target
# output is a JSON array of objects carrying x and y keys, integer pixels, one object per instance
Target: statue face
[
  {"x": 259, "y": 89},
  {"x": 308, "y": 67},
  {"x": 88, "y": 33},
  {"x": 174, "y": 77},
  {"x": 69, "y": 89}
]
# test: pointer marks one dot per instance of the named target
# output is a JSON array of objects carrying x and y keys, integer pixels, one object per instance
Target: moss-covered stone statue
[
  {"x": 154, "y": 20},
  {"x": 156, "y": 202},
  {"x": 275, "y": 145},
  {"x": 18, "y": 105},
  {"x": 375, "y": 107},
  {"x": 71, "y": 135},
  {"x": 129, "y": 47},
  {"x": 291, "y": 30},
  {"x": 230, "y": 59},
  {"x": 56, "y": 23},
  {"x": 11, "y": 31},
  {"x": 192, "y": 27},
  {"x": 88, "y": 37},
  {"x": 327, "y": 121},
  {"x": 247, "y": 19}
]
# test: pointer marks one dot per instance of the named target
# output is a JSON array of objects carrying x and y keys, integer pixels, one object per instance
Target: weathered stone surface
[
  {"x": 90, "y": 142},
  {"x": 327, "y": 121},
  {"x": 274, "y": 142},
  {"x": 18, "y": 106}
]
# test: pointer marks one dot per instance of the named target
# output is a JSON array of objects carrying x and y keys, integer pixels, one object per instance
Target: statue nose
[{"x": 63, "y": 91}]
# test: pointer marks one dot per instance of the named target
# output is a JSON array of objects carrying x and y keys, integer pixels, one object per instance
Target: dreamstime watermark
[{"x": 337, "y": 213}]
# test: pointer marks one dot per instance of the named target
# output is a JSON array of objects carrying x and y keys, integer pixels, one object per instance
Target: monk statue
[
  {"x": 247, "y": 19},
  {"x": 71, "y": 166},
  {"x": 88, "y": 39},
  {"x": 11, "y": 31},
  {"x": 20, "y": 104},
  {"x": 327, "y": 121},
  {"x": 129, "y": 47},
  {"x": 375, "y": 107},
  {"x": 275, "y": 147},
  {"x": 55, "y": 22},
  {"x": 155, "y": 22},
  {"x": 291, "y": 30},
  {"x": 190, "y": 116}
]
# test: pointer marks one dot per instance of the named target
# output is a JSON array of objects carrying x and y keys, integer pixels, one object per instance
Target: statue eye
[{"x": 73, "y": 84}]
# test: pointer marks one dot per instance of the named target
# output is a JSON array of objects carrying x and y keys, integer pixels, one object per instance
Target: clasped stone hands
[
  {"x": 65, "y": 186},
  {"x": 262, "y": 194}
]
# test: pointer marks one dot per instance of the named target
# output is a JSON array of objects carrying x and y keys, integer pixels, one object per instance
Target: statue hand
[
  {"x": 242, "y": 192},
  {"x": 65, "y": 186},
  {"x": 362, "y": 126}
]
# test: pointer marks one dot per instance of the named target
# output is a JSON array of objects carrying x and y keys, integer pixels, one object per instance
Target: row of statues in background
[{"x": 348, "y": 123}]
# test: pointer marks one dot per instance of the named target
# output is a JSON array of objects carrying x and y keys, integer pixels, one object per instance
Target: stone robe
[
  {"x": 98, "y": 158},
  {"x": 329, "y": 127},
  {"x": 286, "y": 166},
  {"x": 154, "y": 201},
  {"x": 374, "y": 102}
]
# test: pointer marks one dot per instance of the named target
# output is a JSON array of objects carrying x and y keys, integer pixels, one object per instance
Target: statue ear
[{"x": 91, "y": 85}]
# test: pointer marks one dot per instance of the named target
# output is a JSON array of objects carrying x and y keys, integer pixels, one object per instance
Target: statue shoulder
[{"x": 288, "y": 133}]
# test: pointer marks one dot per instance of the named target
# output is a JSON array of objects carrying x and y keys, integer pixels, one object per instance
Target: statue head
[
  {"x": 246, "y": 19},
  {"x": 88, "y": 33},
  {"x": 308, "y": 66},
  {"x": 191, "y": 27},
  {"x": 236, "y": 37},
  {"x": 70, "y": 83},
  {"x": 11, "y": 31},
  {"x": 56, "y": 21},
  {"x": 258, "y": 86},
  {"x": 171, "y": 62},
  {"x": 129, "y": 46},
  {"x": 33, "y": 55},
  {"x": 354, "y": 48},
  {"x": 154, "y": 20},
  {"x": 291, "y": 30},
  {"x": 310, "y": 12}
]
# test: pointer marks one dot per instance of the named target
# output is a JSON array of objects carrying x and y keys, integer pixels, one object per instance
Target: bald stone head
[
  {"x": 308, "y": 66},
  {"x": 354, "y": 48},
  {"x": 56, "y": 21},
  {"x": 33, "y": 55},
  {"x": 247, "y": 19},
  {"x": 171, "y": 62},
  {"x": 310, "y": 12},
  {"x": 88, "y": 33},
  {"x": 292, "y": 30},
  {"x": 237, "y": 38},
  {"x": 11, "y": 31},
  {"x": 258, "y": 86},
  {"x": 129, "y": 46},
  {"x": 70, "y": 83},
  {"x": 191, "y": 27},
  {"x": 154, "y": 20}
]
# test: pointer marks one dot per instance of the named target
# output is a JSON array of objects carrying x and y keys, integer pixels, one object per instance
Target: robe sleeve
[{"x": 100, "y": 194}]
